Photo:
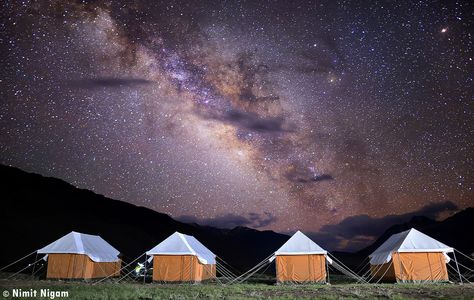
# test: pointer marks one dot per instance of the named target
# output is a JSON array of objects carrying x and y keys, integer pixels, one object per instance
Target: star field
[{"x": 302, "y": 113}]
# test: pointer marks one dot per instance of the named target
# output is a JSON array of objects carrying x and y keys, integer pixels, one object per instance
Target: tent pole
[
  {"x": 457, "y": 267},
  {"x": 327, "y": 270},
  {"x": 33, "y": 272},
  {"x": 144, "y": 270}
]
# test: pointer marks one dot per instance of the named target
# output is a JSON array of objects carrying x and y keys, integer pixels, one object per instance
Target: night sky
[{"x": 279, "y": 115}]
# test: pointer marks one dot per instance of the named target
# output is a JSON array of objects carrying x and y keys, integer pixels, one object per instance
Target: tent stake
[{"x": 457, "y": 267}]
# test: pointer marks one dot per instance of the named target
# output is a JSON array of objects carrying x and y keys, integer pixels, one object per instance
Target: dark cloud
[
  {"x": 330, "y": 42},
  {"x": 299, "y": 174},
  {"x": 370, "y": 226},
  {"x": 315, "y": 62},
  {"x": 322, "y": 177},
  {"x": 323, "y": 58},
  {"x": 109, "y": 82},
  {"x": 359, "y": 231},
  {"x": 250, "y": 121},
  {"x": 254, "y": 122},
  {"x": 230, "y": 220}
]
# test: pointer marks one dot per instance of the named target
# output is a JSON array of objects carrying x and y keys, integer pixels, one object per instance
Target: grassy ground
[{"x": 82, "y": 290}]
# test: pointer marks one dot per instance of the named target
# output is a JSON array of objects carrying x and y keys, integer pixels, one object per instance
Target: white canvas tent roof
[
  {"x": 300, "y": 244},
  {"x": 93, "y": 246},
  {"x": 182, "y": 244},
  {"x": 407, "y": 241}
]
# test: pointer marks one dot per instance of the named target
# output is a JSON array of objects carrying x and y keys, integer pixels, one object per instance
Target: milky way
[{"x": 270, "y": 114}]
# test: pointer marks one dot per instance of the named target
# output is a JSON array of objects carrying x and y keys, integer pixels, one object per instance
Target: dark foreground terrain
[{"x": 123, "y": 290}]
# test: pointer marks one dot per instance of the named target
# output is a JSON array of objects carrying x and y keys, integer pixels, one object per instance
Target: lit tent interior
[
  {"x": 411, "y": 256},
  {"x": 81, "y": 256},
  {"x": 182, "y": 258},
  {"x": 301, "y": 260}
]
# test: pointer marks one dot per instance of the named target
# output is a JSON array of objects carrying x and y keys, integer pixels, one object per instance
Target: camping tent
[
  {"x": 81, "y": 256},
  {"x": 410, "y": 256},
  {"x": 301, "y": 260},
  {"x": 182, "y": 258}
]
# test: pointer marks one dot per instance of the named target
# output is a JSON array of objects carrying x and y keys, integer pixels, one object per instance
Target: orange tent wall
[
  {"x": 301, "y": 268},
  {"x": 208, "y": 272},
  {"x": 413, "y": 266},
  {"x": 79, "y": 266},
  {"x": 181, "y": 268},
  {"x": 386, "y": 271}
]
